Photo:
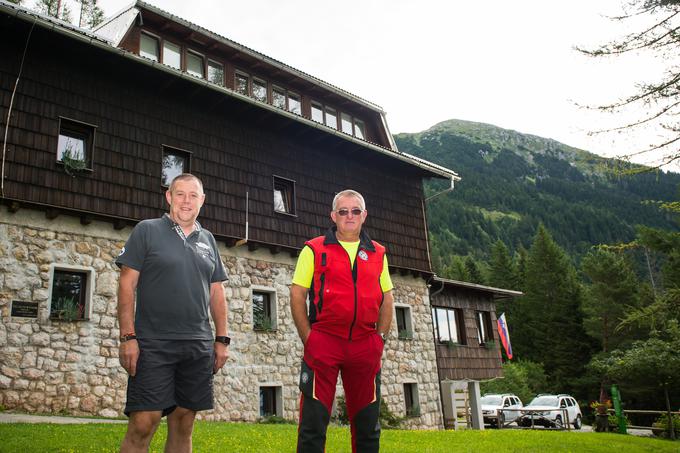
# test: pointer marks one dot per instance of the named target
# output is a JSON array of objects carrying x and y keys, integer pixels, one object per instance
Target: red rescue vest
[{"x": 345, "y": 300}]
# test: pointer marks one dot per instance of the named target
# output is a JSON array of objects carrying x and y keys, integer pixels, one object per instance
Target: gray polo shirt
[{"x": 173, "y": 290}]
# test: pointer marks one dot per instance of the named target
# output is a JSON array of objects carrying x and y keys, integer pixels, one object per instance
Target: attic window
[
  {"x": 172, "y": 55},
  {"x": 148, "y": 47},
  {"x": 294, "y": 103},
  {"x": 215, "y": 73},
  {"x": 317, "y": 112},
  {"x": 284, "y": 195},
  {"x": 260, "y": 90},
  {"x": 359, "y": 129},
  {"x": 241, "y": 83},
  {"x": 195, "y": 64}
]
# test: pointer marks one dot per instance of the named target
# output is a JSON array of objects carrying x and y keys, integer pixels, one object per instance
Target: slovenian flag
[{"x": 504, "y": 335}]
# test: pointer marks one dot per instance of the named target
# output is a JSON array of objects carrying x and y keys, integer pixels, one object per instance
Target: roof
[
  {"x": 107, "y": 36},
  {"x": 497, "y": 293}
]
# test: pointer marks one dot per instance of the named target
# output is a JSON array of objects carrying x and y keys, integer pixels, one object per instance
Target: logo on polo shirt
[
  {"x": 203, "y": 245},
  {"x": 363, "y": 255},
  {"x": 204, "y": 250}
]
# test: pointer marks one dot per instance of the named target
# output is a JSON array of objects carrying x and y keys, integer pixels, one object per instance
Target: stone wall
[{"x": 49, "y": 366}]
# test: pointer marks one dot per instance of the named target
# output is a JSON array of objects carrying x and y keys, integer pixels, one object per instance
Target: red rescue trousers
[{"x": 359, "y": 362}]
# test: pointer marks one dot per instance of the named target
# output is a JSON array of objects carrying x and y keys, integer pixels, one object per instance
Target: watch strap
[{"x": 223, "y": 339}]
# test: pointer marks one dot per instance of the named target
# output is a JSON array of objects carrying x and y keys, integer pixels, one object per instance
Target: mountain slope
[{"x": 512, "y": 182}]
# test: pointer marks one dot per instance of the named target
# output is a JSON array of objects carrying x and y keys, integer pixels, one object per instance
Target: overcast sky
[{"x": 511, "y": 64}]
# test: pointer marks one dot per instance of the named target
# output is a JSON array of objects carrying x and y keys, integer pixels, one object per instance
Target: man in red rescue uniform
[{"x": 346, "y": 276}]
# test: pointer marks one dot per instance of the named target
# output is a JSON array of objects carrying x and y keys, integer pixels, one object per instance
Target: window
[
  {"x": 175, "y": 162},
  {"x": 278, "y": 98},
  {"x": 271, "y": 403},
  {"x": 264, "y": 309},
  {"x": 195, "y": 64},
  {"x": 215, "y": 73},
  {"x": 148, "y": 47},
  {"x": 331, "y": 118},
  {"x": 404, "y": 329},
  {"x": 346, "y": 122},
  {"x": 75, "y": 144},
  {"x": 484, "y": 332},
  {"x": 448, "y": 325},
  {"x": 71, "y": 293},
  {"x": 172, "y": 55},
  {"x": 411, "y": 400},
  {"x": 241, "y": 83},
  {"x": 359, "y": 129},
  {"x": 317, "y": 112},
  {"x": 260, "y": 90},
  {"x": 294, "y": 103},
  {"x": 284, "y": 195}
]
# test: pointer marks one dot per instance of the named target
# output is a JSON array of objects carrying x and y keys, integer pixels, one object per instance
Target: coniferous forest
[{"x": 594, "y": 245}]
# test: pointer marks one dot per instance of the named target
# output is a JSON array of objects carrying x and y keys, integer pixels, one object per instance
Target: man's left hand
[{"x": 221, "y": 356}]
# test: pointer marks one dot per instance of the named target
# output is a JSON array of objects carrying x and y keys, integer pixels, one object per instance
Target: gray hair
[
  {"x": 349, "y": 193},
  {"x": 184, "y": 177}
]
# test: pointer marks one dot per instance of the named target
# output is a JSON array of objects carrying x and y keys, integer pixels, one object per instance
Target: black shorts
[{"x": 172, "y": 373}]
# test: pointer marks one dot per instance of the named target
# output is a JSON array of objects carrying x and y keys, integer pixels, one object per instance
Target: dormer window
[
  {"x": 278, "y": 98},
  {"x": 241, "y": 83},
  {"x": 346, "y": 122},
  {"x": 195, "y": 64},
  {"x": 317, "y": 112},
  {"x": 331, "y": 119},
  {"x": 172, "y": 55},
  {"x": 215, "y": 73},
  {"x": 294, "y": 103},
  {"x": 260, "y": 90},
  {"x": 359, "y": 129},
  {"x": 148, "y": 47}
]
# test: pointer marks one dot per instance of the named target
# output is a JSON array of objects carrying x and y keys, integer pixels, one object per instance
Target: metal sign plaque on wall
[{"x": 24, "y": 309}]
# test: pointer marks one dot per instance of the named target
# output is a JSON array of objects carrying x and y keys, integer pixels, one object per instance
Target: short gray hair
[
  {"x": 185, "y": 177},
  {"x": 349, "y": 193}
]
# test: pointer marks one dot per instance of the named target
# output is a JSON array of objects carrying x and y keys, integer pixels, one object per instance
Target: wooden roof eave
[{"x": 496, "y": 293}]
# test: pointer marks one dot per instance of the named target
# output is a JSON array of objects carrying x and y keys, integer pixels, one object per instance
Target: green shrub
[{"x": 661, "y": 425}]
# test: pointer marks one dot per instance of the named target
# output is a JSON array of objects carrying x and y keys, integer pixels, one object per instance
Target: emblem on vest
[
  {"x": 304, "y": 378},
  {"x": 363, "y": 255}
]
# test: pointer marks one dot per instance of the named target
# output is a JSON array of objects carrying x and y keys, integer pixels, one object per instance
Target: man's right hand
[{"x": 128, "y": 353}]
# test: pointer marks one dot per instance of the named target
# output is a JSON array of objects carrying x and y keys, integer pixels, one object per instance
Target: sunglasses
[{"x": 345, "y": 212}]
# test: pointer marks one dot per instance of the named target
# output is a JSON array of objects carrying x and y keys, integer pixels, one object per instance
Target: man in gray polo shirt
[{"x": 173, "y": 267}]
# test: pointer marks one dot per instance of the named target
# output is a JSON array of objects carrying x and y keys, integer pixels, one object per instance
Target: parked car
[
  {"x": 492, "y": 402},
  {"x": 549, "y": 411}
]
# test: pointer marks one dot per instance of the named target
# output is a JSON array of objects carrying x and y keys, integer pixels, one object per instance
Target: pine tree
[
  {"x": 91, "y": 14},
  {"x": 502, "y": 270},
  {"x": 54, "y": 8},
  {"x": 550, "y": 330},
  {"x": 612, "y": 292},
  {"x": 472, "y": 269}
]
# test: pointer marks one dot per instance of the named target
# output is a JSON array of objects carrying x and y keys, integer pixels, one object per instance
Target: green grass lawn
[{"x": 243, "y": 437}]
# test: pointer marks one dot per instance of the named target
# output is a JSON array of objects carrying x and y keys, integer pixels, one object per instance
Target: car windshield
[
  {"x": 491, "y": 400},
  {"x": 544, "y": 401}
]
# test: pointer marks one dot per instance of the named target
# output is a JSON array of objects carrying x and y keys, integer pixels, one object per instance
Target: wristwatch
[
  {"x": 127, "y": 337},
  {"x": 383, "y": 336},
  {"x": 223, "y": 339}
]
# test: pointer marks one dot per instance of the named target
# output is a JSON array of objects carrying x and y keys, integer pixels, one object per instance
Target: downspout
[{"x": 9, "y": 112}]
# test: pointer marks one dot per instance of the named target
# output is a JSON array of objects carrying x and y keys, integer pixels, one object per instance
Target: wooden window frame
[
  {"x": 484, "y": 327},
  {"x": 459, "y": 322},
  {"x": 270, "y": 308},
  {"x": 162, "y": 57},
  {"x": 203, "y": 59},
  {"x": 245, "y": 75},
  {"x": 85, "y": 296},
  {"x": 275, "y": 392},
  {"x": 407, "y": 332},
  {"x": 159, "y": 42},
  {"x": 177, "y": 151},
  {"x": 86, "y": 132},
  {"x": 207, "y": 73},
  {"x": 280, "y": 181}
]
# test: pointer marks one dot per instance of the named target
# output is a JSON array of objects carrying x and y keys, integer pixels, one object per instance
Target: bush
[
  {"x": 661, "y": 426},
  {"x": 523, "y": 378}
]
